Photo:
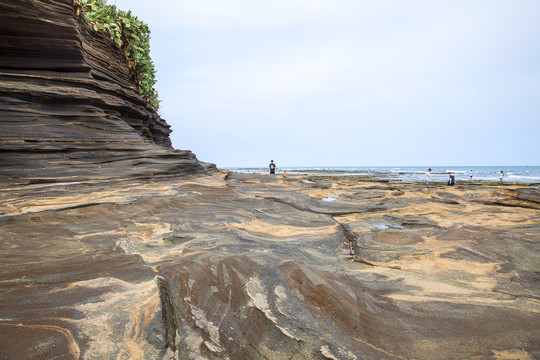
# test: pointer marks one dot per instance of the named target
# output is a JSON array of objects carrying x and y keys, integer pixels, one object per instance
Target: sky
[{"x": 348, "y": 82}]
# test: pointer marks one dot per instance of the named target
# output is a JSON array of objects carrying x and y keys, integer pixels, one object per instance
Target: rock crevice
[{"x": 167, "y": 311}]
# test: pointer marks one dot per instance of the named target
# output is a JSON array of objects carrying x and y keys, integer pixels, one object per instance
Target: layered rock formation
[
  {"x": 225, "y": 265},
  {"x": 259, "y": 267},
  {"x": 68, "y": 110}
]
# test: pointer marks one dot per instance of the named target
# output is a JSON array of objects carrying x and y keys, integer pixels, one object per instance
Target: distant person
[
  {"x": 501, "y": 176},
  {"x": 428, "y": 176},
  {"x": 452, "y": 180},
  {"x": 470, "y": 175},
  {"x": 272, "y": 167}
]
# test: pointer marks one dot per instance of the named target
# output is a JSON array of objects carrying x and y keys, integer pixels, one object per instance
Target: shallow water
[
  {"x": 383, "y": 225},
  {"x": 526, "y": 174}
]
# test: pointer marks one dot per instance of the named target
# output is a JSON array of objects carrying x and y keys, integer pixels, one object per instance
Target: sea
[{"x": 522, "y": 174}]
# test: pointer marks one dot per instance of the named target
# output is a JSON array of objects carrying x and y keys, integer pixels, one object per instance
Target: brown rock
[
  {"x": 68, "y": 110},
  {"x": 251, "y": 268},
  {"x": 104, "y": 257}
]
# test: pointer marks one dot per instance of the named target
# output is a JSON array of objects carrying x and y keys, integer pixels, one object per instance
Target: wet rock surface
[{"x": 264, "y": 267}]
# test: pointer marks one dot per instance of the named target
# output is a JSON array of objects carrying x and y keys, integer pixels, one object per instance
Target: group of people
[{"x": 452, "y": 180}]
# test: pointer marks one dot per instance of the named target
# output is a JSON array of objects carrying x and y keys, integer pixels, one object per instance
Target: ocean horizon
[{"x": 524, "y": 174}]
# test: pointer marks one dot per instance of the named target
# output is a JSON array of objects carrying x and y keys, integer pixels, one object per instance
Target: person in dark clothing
[
  {"x": 452, "y": 180},
  {"x": 272, "y": 167}
]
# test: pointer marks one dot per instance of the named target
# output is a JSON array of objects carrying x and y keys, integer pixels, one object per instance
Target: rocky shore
[
  {"x": 243, "y": 266},
  {"x": 68, "y": 109},
  {"x": 113, "y": 245}
]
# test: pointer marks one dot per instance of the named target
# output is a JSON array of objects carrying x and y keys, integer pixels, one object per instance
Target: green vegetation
[{"x": 132, "y": 36}]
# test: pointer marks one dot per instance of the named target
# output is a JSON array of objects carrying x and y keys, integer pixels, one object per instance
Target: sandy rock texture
[
  {"x": 115, "y": 246},
  {"x": 237, "y": 266}
]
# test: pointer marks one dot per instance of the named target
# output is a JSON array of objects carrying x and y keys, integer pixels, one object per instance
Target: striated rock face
[
  {"x": 260, "y": 267},
  {"x": 68, "y": 110},
  {"x": 114, "y": 262}
]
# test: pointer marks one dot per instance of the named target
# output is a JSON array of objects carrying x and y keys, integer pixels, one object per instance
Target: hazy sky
[{"x": 348, "y": 82}]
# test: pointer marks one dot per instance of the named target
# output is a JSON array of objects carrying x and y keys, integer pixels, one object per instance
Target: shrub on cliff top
[{"x": 132, "y": 36}]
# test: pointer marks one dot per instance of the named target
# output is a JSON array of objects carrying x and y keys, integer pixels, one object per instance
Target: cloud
[
  {"x": 248, "y": 14},
  {"x": 376, "y": 78},
  {"x": 279, "y": 76}
]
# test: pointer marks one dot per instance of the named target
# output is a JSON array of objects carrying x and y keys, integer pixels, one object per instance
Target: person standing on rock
[
  {"x": 428, "y": 176},
  {"x": 501, "y": 176},
  {"x": 470, "y": 175},
  {"x": 272, "y": 167},
  {"x": 452, "y": 180}
]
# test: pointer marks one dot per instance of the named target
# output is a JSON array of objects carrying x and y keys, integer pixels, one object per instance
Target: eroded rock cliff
[
  {"x": 229, "y": 266},
  {"x": 68, "y": 110}
]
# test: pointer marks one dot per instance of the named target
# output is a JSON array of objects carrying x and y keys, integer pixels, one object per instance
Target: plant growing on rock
[{"x": 132, "y": 36}]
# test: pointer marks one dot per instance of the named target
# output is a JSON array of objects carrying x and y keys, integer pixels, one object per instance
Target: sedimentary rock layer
[
  {"x": 68, "y": 110},
  {"x": 118, "y": 261},
  {"x": 259, "y": 267}
]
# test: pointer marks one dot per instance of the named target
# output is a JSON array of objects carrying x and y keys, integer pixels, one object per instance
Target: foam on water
[{"x": 527, "y": 174}]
